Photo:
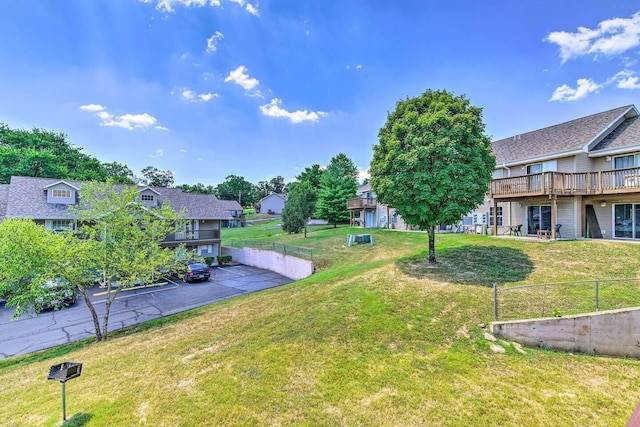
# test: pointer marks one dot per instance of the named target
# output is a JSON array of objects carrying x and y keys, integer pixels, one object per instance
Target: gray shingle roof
[
  {"x": 557, "y": 139},
  {"x": 627, "y": 134},
  {"x": 230, "y": 205},
  {"x": 26, "y": 198}
]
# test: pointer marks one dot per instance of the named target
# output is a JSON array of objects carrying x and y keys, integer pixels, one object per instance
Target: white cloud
[
  {"x": 126, "y": 121},
  {"x": 612, "y": 36},
  {"x": 159, "y": 153},
  {"x": 252, "y": 9},
  {"x": 104, "y": 115},
  {"x": 92, "y": 107},
  {"x": 240, "y": 77},
  {"x": 212, "y": 42},
  {"x": 168, "y": 5},
  {"x": 182, "y": 150},
  {"x": 626, "y": 80},
  {"x": 273, "y": 109},
  {"x": 362, "y": 174},
  {"x": 191, "y": 96},
  {"x": 358, "y": 67},
  {"x": 131, "y": 121},
  {"x": 567, "y": 93}
]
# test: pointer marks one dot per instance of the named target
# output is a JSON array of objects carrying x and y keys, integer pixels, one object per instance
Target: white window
[
  {"x": 499, "y": 216},
  {"x": 480, "y": 218},
  {"x": 623, "y": 162},
  {"x": 549, "y": 166},
  {"x": 62, "y": 194},
  {"x": 59, "y": 224},
  {"x": 498, "y": 173}
]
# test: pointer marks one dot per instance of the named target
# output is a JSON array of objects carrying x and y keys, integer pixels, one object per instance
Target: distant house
[
  {"x": 366, "y": 212},
  {"x": 235, "y": 210},
  {"x": 272, "y": 204},
  {"x": 46, "y": 201}
]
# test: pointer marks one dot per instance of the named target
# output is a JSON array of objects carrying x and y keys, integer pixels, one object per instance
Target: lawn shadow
[
  {"x": 471, "y": 265},
  {"x": 78, "y": 420}
]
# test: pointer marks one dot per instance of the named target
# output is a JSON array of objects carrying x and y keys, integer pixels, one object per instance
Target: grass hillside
[{"x": 375, "y": 337}]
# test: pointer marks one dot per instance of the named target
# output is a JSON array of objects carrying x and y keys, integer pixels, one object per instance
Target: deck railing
[
  {"x": 193, "y": 235},
  {"x": 564, "y": 183},
  {"x": 361, "y": 203}
]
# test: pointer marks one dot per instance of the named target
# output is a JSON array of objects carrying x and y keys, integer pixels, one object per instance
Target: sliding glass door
[
  {"x": 626, "y": 221},
  {"x": 538, "y": 218}
]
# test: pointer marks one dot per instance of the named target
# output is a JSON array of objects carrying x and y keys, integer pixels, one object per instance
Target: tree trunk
[
  {"x": 305, "y": 228},
  {"x": 432, "y": 246},
  {"x": 92, "y": 309}
]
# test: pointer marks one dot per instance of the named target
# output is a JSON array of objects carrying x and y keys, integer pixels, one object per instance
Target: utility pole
[{"x": 240, "y": 197}]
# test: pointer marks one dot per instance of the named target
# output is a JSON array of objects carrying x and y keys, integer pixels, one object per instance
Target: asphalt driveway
[{"x": 31, "y": 333}]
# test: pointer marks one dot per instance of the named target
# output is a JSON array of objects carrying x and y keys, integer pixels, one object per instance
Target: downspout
[{"x": 504, "y": 166}]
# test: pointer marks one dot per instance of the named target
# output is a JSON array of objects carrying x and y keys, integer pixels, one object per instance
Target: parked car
[
  {"x": 196, "y": 271},
  {"x": 59, "y": 293}
]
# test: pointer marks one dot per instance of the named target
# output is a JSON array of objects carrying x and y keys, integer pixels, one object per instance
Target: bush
[
  {"x": 224, "y": 259},
  {"x": 209, "y": 260}
]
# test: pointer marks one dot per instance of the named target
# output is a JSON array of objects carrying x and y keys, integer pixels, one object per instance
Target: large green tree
[
  {"x": 237, "y": 188},
  {"x": 338, "y": 183},
  {"x": 26, "y": 250},
  {"x": 119, "y": 236},
  {"x": 45, "y": 154},
  {"x": 433, "y": 162},
  {"x": 117, "y": 241},
  {"x": 157, "y": 177},
  {"x": 119, "y": 173},
  {"x": 301, "y": 203}
]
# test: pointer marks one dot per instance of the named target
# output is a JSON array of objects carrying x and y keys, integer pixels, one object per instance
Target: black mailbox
[{"x": 65, "y": 371}]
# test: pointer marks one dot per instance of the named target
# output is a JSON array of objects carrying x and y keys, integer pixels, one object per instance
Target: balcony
[
  {"x": 361, "y": 203},
  {"x": 191, "y": 237},
  {"x": 617, "y": 181}
]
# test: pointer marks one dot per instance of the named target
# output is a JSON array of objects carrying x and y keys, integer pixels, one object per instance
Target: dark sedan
[{"x": 196, "y": 271}]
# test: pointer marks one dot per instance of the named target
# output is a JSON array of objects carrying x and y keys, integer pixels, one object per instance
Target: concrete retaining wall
[
  {"x": 288, "y": 266},
  {"x": 611, "y": 333}
]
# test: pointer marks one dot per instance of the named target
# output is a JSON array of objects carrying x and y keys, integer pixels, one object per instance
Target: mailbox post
[{"x": 64, "y": 372}]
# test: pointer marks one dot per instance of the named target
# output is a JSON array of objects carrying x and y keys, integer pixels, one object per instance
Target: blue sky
[{"x": 264, "y": 88}]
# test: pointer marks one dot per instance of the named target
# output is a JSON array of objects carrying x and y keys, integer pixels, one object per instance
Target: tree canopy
[
  {"x": 337, "y": 184},
  {"x": 119, "y": 173},
  {"x": 157, "y": 177},
  {"x": 44, "y": 154},
  {"x": 198, "y": 188},
  {"x": 433, "y": 163},
  {"x": 237, "y": 188}
]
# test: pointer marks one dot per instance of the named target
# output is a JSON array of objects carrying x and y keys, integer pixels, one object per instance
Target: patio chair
[{"x": 558, "y": 230}]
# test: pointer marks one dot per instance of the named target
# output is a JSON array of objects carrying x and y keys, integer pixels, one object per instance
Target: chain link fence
[
  {"x": 564, "y": 298},
  {"x": 283, "y": 248}
]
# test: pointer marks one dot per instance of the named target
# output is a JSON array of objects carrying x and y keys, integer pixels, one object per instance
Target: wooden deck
[
  {"x": 361, "y": 203},
  {"x": 618, "y": 181}
]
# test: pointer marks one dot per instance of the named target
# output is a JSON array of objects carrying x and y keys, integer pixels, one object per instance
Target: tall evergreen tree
[{"x": 338, "y": 183}]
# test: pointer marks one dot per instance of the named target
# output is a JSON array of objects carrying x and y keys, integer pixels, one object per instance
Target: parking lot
[{"x": 31, "y": 333}]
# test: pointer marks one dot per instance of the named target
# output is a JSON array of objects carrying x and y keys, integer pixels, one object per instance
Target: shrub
[
  {"x": 209, "y": 260},
  {"x": 224, "y": 259}
]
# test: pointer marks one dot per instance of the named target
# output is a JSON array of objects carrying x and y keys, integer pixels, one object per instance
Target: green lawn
[{"x": 375, "y": 337}]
